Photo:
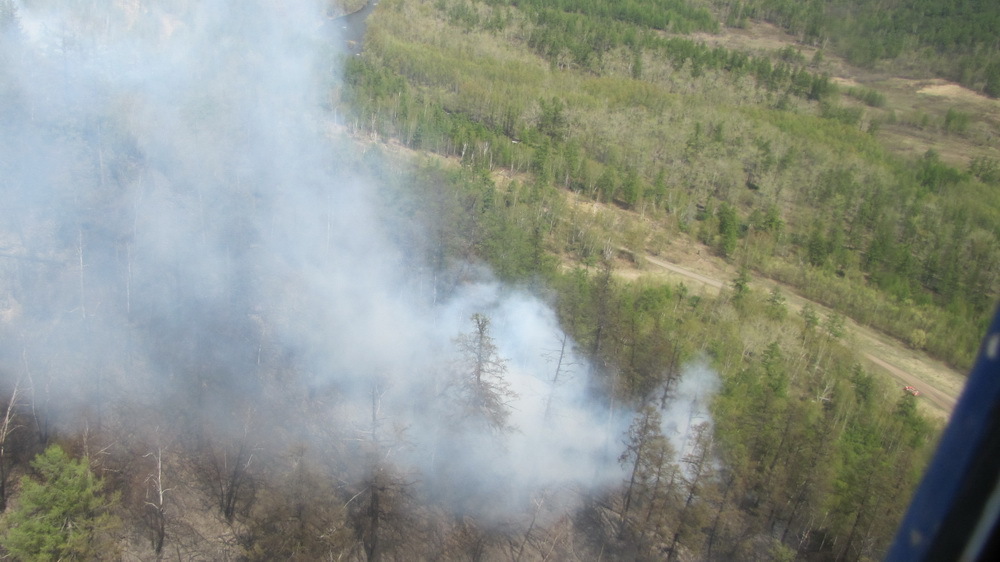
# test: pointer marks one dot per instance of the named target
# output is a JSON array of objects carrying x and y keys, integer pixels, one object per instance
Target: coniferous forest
[{"x": 266, "y": 294}]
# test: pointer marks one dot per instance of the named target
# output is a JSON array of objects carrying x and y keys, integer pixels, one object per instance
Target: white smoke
[
  {"x": 690, "y": 405},
  {"x": 176, "y": 207}
]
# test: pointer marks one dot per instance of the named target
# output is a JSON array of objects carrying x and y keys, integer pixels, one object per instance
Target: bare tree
[
  {"x": 563, "y": 363},
  {"x": 697, "y": 474},
  {"x": 379, "y": 500},
  {"x": 481, "y": 386},
  {"x": 602, "y": 296},
  {"x": 79, "y": 255},
  {"x": 531, "y": 527},
  {"x": 155, "y": 502},
  {"x": 651, "y": 457},
  {"x": 8, "y": 426},
  {"x": 230, "y": 477},
  {"x": 37, "y": 414},
  {"x": 368, "y": 526}
]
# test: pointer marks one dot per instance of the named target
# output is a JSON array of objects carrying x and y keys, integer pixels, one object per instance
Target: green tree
[
  {"x": 729, "y": 227},
  {"x": 992, "y": 87},
  {"x": 607, "y": 184},
  {"x": 956, "y": 121},
  {"x": 817, "y": 247},
  {"x": 741, "y": 285},
  {"x": 553, "y": 122},
  {"x": 631, "y": 189},
  {"x": 776, "y": 308},
  {"x": 63, "y": 516},
  {"x": 835, "y": 325},
  {"x": 810, "y": 320}
]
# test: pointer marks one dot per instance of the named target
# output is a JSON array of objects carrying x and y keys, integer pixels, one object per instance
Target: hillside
[
  {"x": 272, "y": 294},
  {"x": 771, "y": 154},
  {"x": 817, "y": 187},
  {"x": 951, "y": 39}
]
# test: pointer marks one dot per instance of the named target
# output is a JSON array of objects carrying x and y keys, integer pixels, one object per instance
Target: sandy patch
[
  {"x": 845, "y": 82},
  {"x": 756, "y": 36},
  {"x": 953, "y": 91}
]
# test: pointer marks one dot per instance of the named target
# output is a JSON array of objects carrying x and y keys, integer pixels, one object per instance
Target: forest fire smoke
[{"x": 182, "y": 234}]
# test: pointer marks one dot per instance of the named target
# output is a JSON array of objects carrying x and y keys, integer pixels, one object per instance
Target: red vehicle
[{"x": 912, "y": 390}]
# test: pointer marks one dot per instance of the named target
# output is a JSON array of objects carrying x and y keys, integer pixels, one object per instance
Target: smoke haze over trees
[
  {"x": 259, "y": 329},
  {"x": 206, "y": 288}
]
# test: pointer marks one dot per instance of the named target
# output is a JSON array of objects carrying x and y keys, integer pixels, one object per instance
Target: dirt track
[
  {"x": 939, "y": 385},
  {"x": 944, "y": 401}
]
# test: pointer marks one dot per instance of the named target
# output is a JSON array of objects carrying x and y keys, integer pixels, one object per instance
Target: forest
[
  {"x": 265, "y": 299},
  {"x": 955, "y": 39},
  {"x": 899, "y": 244}
]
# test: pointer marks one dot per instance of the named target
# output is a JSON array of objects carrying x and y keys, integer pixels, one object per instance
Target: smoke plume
[{"x": 184, "y": 230}]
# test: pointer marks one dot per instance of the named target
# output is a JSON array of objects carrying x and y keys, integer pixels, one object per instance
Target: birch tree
[
  {"x": 7, "y": 426},
  {"x": 155, "y": 505}
]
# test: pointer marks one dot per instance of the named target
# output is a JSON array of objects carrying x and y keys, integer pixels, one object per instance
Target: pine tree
[{"x": 64, "y": 516}]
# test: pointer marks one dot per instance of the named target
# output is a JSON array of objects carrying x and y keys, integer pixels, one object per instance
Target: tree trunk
[
  {"x": 718, "y": 516},
  {"x": 631, "y": 486}
]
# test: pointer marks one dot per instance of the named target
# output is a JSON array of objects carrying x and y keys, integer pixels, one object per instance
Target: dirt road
[
  {"x": 685, "y": 272},
  {"x": 943, "y": 400},
  {"x": 939, "y": 385}
]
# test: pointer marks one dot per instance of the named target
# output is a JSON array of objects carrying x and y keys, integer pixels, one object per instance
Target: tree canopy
[{"x": 62, "y": 515}]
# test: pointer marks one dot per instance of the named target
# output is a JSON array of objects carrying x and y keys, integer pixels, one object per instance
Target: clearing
[{"x": 912, "y": 121}]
